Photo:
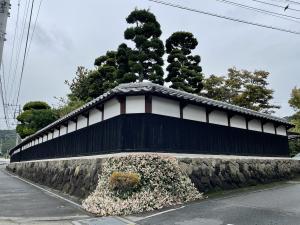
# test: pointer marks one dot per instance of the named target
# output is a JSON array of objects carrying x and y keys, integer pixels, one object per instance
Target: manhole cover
[{"x": 101, "y": 221}]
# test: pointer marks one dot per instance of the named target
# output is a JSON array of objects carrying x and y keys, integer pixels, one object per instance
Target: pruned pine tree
[
  {"x": 184, "y": 71},
  {"x": 146, "y": 58}
]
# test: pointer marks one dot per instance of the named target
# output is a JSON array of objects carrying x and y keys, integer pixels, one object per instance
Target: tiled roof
[{"x": 148, "y": 87}]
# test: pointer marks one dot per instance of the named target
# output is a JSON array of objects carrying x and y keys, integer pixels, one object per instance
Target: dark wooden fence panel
[{"x": 156, "y": 133}]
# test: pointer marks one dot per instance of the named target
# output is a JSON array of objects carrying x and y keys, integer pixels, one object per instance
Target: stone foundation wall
[
  {"x": 209, "y": 174},
  {"x": 78, "y": 177}
]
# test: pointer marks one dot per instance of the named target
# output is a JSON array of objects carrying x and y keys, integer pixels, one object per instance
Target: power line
[
  {"x": 14, "y": 39},
  {"x": 25, "y": 14},
  {"x": 3, "y": 102},
  {"x": 275, "y": 5},
  {"x": 25, "y": 53},
  {"x": 287, "y": 1},
  {"x": 278, "y": 15},
  {"x": 34, "y": 26},
  {"x": 225, "y": 17}
]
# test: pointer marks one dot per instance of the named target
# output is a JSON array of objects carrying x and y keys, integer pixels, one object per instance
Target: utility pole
[{"x": 4, "y": 14}]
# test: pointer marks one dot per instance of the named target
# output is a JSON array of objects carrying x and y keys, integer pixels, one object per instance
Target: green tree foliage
[
  {"x": 34, "y": 118},
  {"x": 295, "y": 104},
  {"x": 36, "y": 105},
  {"x": 184, "y": 71},
  {"x": 146, "y": 58},
  {"x": 79, "y": 86},
  {"x": 66, "y": 106},
  {"x": 89, "y": 84},
  {"x": 243, "y": 88},
  {"x": 214, "y": 88},
  {"x": 125, "y": 61},
  {"x": 7, "y": 141},
  {"x": 295, "y": 99}
]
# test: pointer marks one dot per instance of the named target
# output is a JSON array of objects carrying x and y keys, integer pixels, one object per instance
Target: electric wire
[
  {"x": 14, "y": 41},
  {"x": 278, "y": 15},
  {"x": 3, "y": 102},
  {"x": 19, "y": 47},
  {"x": 34, "y": 26},
  {"x": 287, "y": 1},
  {"x": 225, "y": 17},
  {"x": 25, "y": 53},
  {"x": 275, "y": 5}
]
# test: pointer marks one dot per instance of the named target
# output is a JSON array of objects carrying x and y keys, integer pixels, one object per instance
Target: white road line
[
  {"x": 47, "y": 191},
  {"x": 159, "y": 213}
]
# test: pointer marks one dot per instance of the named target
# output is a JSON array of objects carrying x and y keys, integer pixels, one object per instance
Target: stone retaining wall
[
  {"x": 209, "y": 174},
  {"x": 78, "y": 177}
]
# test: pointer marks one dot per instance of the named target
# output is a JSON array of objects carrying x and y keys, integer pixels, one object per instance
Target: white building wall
[
  {"x": 193, "y": 112},
  {"x": 56, "y": 133},
  {"x": 49, "y": 135},
  {"x": 238, "y": 121},
  {"x": 95, "y": 116},
  {"x": 111, "y": 108},
  {"x": 135, "y": 104},
  {"x": 36, "y": 141},
  {"x": 40, "y": 140},
  {"x": 71, "y": 126},
  {"x": 254, "y": 125},
  {"x": 44, "y": 138},
  {"x": 269, "y": 128},
  {"x": 218, "y": 117},
  {"x": 63, "y": 130},
  {"x": 81, "y": 122},
  {"x": 281, "y": 130},
  {"x": 164, "y": 106}
]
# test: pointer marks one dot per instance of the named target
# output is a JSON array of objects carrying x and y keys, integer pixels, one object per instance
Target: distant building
[{"x": 145, "y": 117}]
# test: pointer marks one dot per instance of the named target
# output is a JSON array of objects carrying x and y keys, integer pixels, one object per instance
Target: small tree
[
  {"x": 242, "y": 88},
  {"x": 214, "y": 88},
  {"x": 184, "y": 70},
  {"x": 35, "y": 116},
  {"x": 146, "y": 58}
]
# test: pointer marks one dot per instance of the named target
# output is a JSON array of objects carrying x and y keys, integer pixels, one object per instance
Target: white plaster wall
[
  {"x": 95, "y": 116},
  {"x": 164, "y": 106},
  {"x": 193, "y": 112},
  {"x": 40, "y": 140},
  {"x": 44, "y": 138},
  {"x": 254, "y": 125},
  {"x": 218, "y": 117},
  {"x": 281, "y": 130},
  {"x": 32, "y": 143},
  {"x": 63, "y": 130},
  {"x": 269, "y": 128},
  {"x": 56, "y": 133},
  {"x": 36, "y": 141},
  {"x": 71, "y": 126},
  {"x": 238, "y": 121},
  {"x": 135, "y": 104},
  {"x": 111, "y": 108},
  {"x": 81, "y": 122},
  {"x": 49, "y": 136}
]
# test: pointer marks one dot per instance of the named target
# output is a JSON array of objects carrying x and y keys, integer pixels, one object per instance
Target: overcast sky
[{"x": 73, "y": 33}]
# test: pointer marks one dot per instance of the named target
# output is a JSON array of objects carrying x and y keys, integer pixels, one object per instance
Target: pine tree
[
  {"x": 146, "y": 59},
  {"x": 184, "y": 70}
]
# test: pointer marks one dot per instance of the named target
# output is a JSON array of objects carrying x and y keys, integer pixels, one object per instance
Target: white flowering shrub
[{"x": 161, "y": 184}]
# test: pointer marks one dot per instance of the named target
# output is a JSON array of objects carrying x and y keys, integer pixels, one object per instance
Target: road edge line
[{"x": 50, "y": 193}]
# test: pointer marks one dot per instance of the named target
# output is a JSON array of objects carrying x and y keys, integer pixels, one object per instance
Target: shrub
[
  {"x": 161, "y": 183},
  {"x": 120, "y": 181}
]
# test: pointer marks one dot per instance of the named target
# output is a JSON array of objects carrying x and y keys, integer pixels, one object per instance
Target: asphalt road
[
  {"x": 279, "y": 205},
  {"x": 21, "y": 203}
]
